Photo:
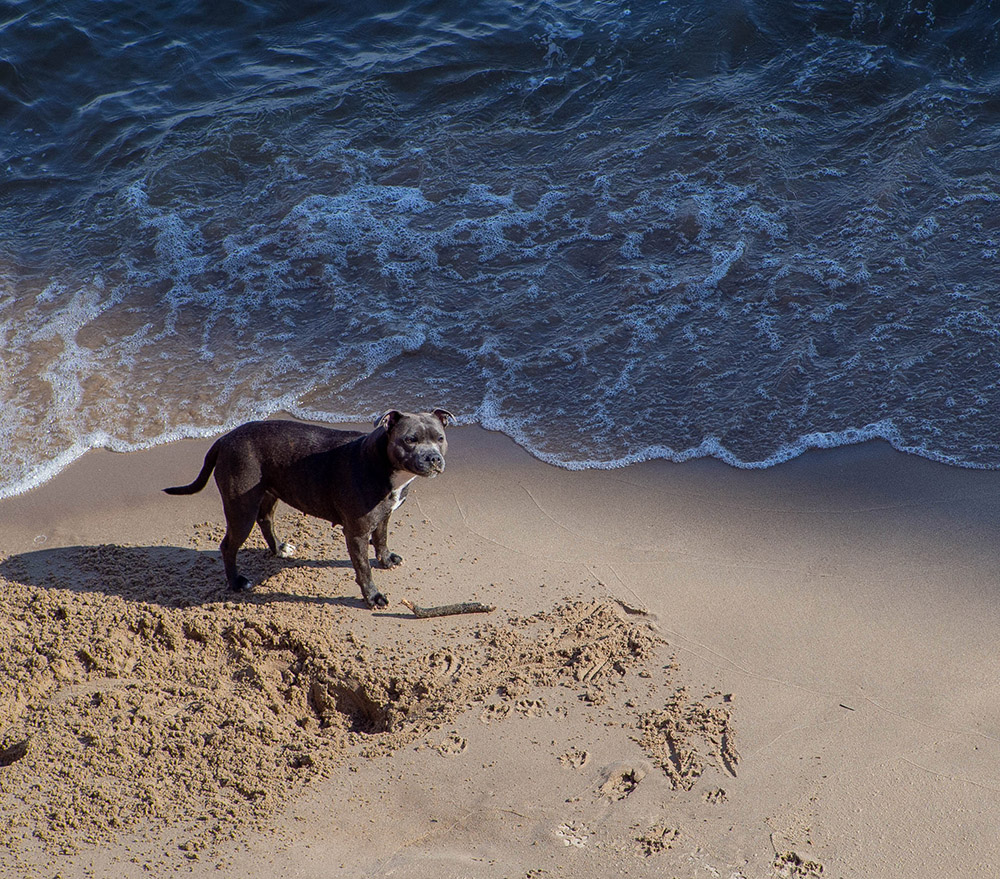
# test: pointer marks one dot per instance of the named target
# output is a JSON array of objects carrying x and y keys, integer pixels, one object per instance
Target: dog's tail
[{"x": 202, "y": 479}]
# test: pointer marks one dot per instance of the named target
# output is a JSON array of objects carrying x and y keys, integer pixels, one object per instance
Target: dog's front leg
[
  {"x": 357, "y": 547},
  {"x": 380, "y": 535}
]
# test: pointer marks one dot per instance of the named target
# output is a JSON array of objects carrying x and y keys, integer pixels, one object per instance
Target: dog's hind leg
[
  {"x": 265, "y": 519},
  {"x": 239, "y": 523}
]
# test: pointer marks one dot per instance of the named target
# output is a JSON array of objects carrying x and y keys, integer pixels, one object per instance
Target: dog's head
[{"x": 416, "y": 441}]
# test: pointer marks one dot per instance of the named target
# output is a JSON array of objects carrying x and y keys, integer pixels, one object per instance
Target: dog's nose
[{"x": 435, "y": 461}]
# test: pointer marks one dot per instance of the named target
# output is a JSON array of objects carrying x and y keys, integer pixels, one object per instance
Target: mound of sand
[{"x": 132, "y": 688}]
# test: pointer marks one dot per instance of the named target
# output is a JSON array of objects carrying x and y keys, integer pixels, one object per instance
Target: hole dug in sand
[
  {"x": 118, "y": 711},
  {"x": 13, "y": 752}
]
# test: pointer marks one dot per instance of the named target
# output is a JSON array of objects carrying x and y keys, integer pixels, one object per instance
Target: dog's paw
[
  {"x": 241, "y": 584},
  {"x": 286, "y": 550},
  {"x": 391, "y": 560},
  {"x": 376, "y": 600}
]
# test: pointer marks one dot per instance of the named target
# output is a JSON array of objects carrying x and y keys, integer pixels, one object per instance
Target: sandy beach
[{"x": 691, "y": 671}]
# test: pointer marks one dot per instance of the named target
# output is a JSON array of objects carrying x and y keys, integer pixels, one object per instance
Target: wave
[{"x": 710, "y": 447}]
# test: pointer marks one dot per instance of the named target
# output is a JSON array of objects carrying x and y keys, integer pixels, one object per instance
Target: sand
[{"x": 691, "y": 671}]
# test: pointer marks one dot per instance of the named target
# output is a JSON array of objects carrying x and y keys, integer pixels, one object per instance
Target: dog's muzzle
[{"x": 432, "y": 465}]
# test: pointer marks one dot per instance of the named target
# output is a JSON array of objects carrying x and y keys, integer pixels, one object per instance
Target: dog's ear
[
  {"x": 444, "y": 416},
  {"x": 388, "y": 419}
]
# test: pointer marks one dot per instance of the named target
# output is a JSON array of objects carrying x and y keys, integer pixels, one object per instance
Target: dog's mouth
[{"x": 432, "y": 470}]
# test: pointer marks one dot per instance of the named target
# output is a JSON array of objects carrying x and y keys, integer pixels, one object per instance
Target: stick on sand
[{"x": 448, "y": 609}]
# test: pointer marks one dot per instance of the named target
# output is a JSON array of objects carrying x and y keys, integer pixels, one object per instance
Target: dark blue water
[{"x": 613, "y": 230}]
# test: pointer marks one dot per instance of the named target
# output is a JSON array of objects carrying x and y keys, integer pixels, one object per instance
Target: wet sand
[{"x": 692, "y": 671}]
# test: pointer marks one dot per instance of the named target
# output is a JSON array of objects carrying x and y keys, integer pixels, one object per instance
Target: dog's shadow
[{"x": 170, "y": 576}]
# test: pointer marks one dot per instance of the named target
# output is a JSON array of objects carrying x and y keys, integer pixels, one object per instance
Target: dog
[{"x": 349, "y": 478}]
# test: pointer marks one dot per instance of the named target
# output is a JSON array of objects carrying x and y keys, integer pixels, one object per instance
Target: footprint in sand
[
  {"x": 452, "y": 745},
  {"x": 621, "y": 780},
  {"x": 573, "y": 833},
  {"x": 791, "y": 865},
  {"x": 494, "y": 711},
  {"x": 657, "y": 838},
  {"x": 531, "y": 707},
  {"x": 443, "y": 664},
  {"x": 575, "y": 758}
]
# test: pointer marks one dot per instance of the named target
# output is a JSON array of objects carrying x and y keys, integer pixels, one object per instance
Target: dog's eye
[{"x": 412, "y": 439}]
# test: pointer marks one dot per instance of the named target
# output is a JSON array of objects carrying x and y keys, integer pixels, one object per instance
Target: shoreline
[
  {"x": 845, "y": 600},
  {"x": 710, "y": 449}
]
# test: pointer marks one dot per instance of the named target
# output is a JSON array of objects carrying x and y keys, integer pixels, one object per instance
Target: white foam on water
[{"x": 711, "y": 447}]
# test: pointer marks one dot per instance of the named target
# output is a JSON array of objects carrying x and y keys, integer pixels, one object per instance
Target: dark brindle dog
[{"x": 349, "y": 478}]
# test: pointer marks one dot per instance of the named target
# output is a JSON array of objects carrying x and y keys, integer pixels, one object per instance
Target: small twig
[{"x": 447, "y": 609}]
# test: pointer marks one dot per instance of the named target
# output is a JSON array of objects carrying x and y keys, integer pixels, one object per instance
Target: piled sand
[{"x": 189, "y": 707}]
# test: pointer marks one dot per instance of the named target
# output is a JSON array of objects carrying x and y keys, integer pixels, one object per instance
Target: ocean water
[{"x": 613, "y": 230}]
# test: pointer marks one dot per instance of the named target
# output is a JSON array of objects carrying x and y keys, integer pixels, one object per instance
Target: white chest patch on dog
[{"x": 397, "y": 492}]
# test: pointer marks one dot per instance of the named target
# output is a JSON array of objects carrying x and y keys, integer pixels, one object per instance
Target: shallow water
[{"x": 614, "y": 231}]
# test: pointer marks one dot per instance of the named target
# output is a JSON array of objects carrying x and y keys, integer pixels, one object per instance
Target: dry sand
[{"x": 692, "y": 671}]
